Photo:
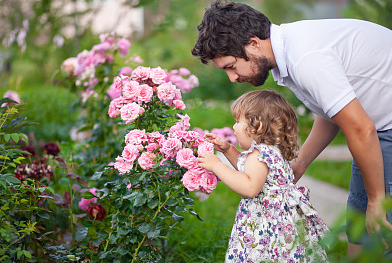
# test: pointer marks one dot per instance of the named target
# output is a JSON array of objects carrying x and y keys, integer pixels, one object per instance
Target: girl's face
[{"x": 244, "y": 138}]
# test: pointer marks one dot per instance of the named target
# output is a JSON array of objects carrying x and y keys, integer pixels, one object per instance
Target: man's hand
[
  {"x": 298, "y": 169},
  {"x": 219, "y": 144}
]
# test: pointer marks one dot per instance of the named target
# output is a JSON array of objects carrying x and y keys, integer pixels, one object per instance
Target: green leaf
[
  {"x": 43, "y": 214},
  {"x": 88, "y": 195},
  {"x": 11, "y": 179},
  {"x": 27, "y": 253},
  {"x": 152, "y": 203},
  {"x": 153, "y": 234},
  {"x": 81, "y": 233},
  {"x": 7, "y": 137},
  {"x": 140, "y": 200},
  {"x": 15, "y": 137},
  {"x": 145, "y": 228},
  {"x": 177, "y": 217},
  {"x": 96, "y": 175}
]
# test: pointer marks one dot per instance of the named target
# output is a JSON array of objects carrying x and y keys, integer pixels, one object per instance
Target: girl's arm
[{"x": 248, "y": 183}]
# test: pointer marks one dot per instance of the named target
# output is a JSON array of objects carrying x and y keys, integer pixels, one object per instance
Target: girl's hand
[
  {"x": 219, "y": 144},
  {"x": 208, "y": 161}
]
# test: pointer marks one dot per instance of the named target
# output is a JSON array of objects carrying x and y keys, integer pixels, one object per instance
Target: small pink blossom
[
  {"x": 136, "y": 137},
  {"x": 156, "y": 137},
  {"x": 166, "y": 91},
  {"x": 184, "y": 71},
  {"x": 123, "y": 47},
  {"x": 125, "y": 71},
  {"x": 152, "y": 146},
  {"x": 141, "y": 73},
  {"x": 13, "y": 95},
  {"x": 84, "y": 203},
  {"x": 145, "y": 93},
  {"x": 129, "y": 186},
  {"x": 170, "y": 147},
  {"x": 130, "y": 153},
  {"x": 208, "y": 182},
  {"x": 205, "y": 147},
  {"x": 179, "y": 104},
  {"x": 131, "y": 112},
  {"x": 122, "y": 166},
  {"x": 113, "y": 93},
  {"x": 114, "y": 107},
  {"x": 118, "y": 82},
  {"x": 130, "y": 90},
  {"x": 158, "y": 76},
  {"x": 185, "y": 158},
  {"x": 191, "y": 180},
  {"x": 147, "y": 160}
]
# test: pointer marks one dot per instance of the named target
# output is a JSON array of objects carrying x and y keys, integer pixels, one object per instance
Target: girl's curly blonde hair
[{"x": 271, "y": 118}]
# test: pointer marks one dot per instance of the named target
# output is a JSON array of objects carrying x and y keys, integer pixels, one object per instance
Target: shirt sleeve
[
  {"x": 268, "y": 156},
  {"x": 321, "y": 76}
]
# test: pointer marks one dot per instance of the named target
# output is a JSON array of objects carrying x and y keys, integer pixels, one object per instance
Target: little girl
[{"x": 275, "y": 221}]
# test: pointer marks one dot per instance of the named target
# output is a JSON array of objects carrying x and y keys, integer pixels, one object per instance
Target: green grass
[{"x": 333, "y": 172}]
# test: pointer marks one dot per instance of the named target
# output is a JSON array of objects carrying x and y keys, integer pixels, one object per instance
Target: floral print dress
[{"x": 279, "y": 224}]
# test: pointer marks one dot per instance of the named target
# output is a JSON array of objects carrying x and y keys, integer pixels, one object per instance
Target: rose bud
[{"x": 96, "y": 211}]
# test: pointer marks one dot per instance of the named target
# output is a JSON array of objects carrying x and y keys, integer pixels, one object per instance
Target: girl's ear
[{"x": 260, "y": 128}]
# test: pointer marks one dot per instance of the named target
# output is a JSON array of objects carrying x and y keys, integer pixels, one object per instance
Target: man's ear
[{"x": 254, "y": 42}]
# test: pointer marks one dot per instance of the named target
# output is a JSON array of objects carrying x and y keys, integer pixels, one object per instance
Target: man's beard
[{"x": 261, "y": 71}]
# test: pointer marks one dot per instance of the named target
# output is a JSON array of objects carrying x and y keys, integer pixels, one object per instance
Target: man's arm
[
  {"x": 320, "y": 136},
  {"x": 362, "y": 140}
]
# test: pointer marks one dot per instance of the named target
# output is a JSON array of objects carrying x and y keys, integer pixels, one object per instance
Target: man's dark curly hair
[{"x": 226, "y": 29}]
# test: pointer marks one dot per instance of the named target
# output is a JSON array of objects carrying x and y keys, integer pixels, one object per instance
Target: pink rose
[
  {"x": 205, "y": 147},
  {"x": 141, "y": 73},
  {"x": 136, "y": 137},
  {"x": 130, "y": 153},
  {"x": 84, "y": 203},
  {"x": 123, "y": 47},
  {"x": 158, "y": 76},
  {"x": 113, "y": 93},
  {"x": 170, "y": 147},
  {"x": 122, "y": 166},
  {"x": 129, "y": 186},
  {"x": 191, "y": 180},
  {"x": 147, "y": 160},
  {"x": 184, "y": 121},
  {"x": 156, "y": 137},
  {"x": 194, "y": 137},
  {"x": 131, "y": 112},
  {"x": 184, "y": 71},
  {"x": 118, "y": 82},
  {"x": 125, "y": 71},
  {"x": 152, "y": 146},
  {"x": 145, "y": 93},
  {"x": 179, "y": 104},
  {"x": 208, "y": 182},
  {"x": 166, "y": 91},
  {"x": 185, "y": 158},
  {"x": 130, "y": 90},
  {"x": 114, "y": 107}
]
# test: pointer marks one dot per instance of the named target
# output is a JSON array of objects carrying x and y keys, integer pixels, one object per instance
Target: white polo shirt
[{"x": 327, "y": 63}]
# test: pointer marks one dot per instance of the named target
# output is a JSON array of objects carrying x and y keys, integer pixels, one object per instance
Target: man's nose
[{"x": 232, "y": 76}]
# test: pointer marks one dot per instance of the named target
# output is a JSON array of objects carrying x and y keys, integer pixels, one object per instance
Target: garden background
[{"x": 38, "y": 36}]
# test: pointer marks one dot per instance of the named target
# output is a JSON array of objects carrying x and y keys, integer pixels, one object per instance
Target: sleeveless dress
[{"x": 279, "y": 224}]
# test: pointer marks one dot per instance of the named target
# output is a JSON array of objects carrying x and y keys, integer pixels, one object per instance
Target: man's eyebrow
[{"x": 225, "y": 66}]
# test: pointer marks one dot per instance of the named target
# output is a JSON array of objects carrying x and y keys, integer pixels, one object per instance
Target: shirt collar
[{"x": 278, "y": 49}]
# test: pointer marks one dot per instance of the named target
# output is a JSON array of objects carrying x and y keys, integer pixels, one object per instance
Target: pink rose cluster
[
  {"x": 83, "y": 66},
  {"x": 183, "y": 79},
  {"x": 180, "y": 145},
  {"x": 145, "y": 85},
  {"x": 225, "y": 133},
  {"x": 85, "y": 203}
]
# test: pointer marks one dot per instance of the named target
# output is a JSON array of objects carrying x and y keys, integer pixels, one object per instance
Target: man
[{"x": 341, "y": 69}]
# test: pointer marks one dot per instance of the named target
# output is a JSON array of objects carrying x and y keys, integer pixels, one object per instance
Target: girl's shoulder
[{"x": 268, "y": 154}]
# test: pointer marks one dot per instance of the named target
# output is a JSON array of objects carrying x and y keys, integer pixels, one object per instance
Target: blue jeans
[{"x": 357, "y": 198}]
